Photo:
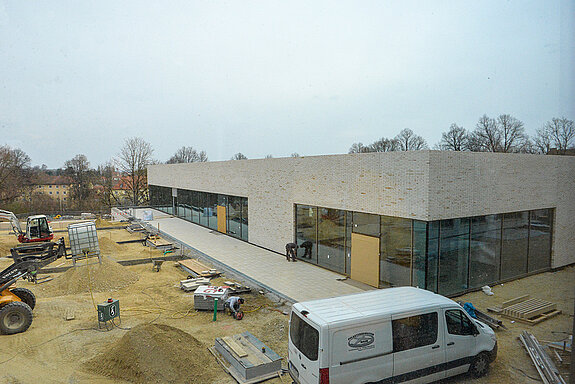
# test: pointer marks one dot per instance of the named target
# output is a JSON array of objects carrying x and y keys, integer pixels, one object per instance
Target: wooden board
[
  {"x": 365, "y": 259},
  {"x": 234, "y": 346},
  {"x": 198, "y": 268}
]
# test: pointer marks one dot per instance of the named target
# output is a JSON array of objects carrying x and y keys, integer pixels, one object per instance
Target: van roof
[{"x": 376, "y": 303}]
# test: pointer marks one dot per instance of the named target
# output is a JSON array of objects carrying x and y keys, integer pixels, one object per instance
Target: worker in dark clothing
[
  {"x": 307, "y": 246},
  {"x": 291, "y": 249},
  {"x": 233, "y": 303}
]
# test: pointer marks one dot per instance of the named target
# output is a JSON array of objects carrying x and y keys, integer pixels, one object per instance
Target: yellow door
[
  {"x": 221, "y": 219},
  {"x": 365, "y": 259}
]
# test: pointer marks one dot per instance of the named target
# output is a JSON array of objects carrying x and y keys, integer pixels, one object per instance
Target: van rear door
[
  {"x": 303, "y": 352},
  {"x": 418, "y": 351}
]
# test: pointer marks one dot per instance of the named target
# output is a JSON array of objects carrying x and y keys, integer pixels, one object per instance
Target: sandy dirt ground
[{"x": 162, "y": 339}]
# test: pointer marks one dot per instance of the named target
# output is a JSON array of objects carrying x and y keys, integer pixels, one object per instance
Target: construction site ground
[{"x": 162, "y": 339}]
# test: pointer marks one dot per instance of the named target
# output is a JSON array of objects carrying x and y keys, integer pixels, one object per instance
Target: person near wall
[
  {"x": 291, "y": 249},
  {"x": 307, "y": 246}
]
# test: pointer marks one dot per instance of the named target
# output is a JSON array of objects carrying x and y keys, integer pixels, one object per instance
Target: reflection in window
[
  {"x": 366, "y": 224},
  {"x": 485, "y": 249},
  {"x": 432, "y": 256},
  {"x": 395, "y": 252},
  {"x": 414, "y": 331},
  {"x": 419, "y": 253},
  {"x": 540, "y": 240},
  {"x": 453, "y": 256},
  {"x": 331, "y": 239},
  {"x": 458, "y": 323},
  {"x": 514, "y": 245},
  {"x": 306, "y": 232}
]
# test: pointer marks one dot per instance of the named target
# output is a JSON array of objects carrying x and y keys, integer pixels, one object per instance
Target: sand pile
[
  {"x": 107, "y": 246},
  {"x": 103, "y": 277},
  {"x": 156, "y": 353}
]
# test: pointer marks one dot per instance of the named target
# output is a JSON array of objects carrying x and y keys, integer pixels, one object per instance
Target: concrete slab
[{"x": 300, "y": 281}]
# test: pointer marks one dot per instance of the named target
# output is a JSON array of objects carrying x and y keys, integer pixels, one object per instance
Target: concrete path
[{"x": 294, "y": 282}]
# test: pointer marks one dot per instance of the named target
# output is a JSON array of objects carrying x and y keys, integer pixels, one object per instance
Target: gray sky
[{"x": 273, "y": 77}]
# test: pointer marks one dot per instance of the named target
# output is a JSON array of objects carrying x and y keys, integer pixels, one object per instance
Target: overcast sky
[{"x": 273, "y": 77}]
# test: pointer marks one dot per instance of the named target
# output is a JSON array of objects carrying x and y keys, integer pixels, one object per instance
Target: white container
[
  {"x": 83, "y": 239},
  {"x": 148, "y": 216}
]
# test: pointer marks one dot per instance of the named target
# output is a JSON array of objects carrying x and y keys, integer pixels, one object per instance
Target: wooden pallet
[{"x": 529, "y": 310}]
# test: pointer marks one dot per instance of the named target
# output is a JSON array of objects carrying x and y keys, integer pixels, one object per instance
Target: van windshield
[{"x": 304, "y": 337}]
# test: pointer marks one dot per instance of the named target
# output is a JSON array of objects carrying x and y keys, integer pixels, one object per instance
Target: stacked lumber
[
  {"x": 527, "y": 310},
  {"x": 198, "y": 269},
  {"x": 190, "y": 285}
]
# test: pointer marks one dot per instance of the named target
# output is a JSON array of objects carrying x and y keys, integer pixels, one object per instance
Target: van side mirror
[{"x": 475, "y": 330}]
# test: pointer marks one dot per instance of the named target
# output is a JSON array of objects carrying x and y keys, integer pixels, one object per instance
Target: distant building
[{"x": 445, "y": 221}]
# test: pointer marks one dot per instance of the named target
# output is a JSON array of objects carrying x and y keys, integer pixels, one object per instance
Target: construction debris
[
  {"x": 135, "y": 228},
  {"x": 246, "y": 358},
  {"x": 527, "y": 310},
  {"x": 481, "y": 316},
  {"x": 192, "y": 284},
  {"x": 545, "y": 366},
  {"x": 156, "y": 241}
]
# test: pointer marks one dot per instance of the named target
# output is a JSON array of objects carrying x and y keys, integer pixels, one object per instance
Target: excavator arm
[
  {"x": 29, "y": 259},
  {"x": 14, "y": 222}
]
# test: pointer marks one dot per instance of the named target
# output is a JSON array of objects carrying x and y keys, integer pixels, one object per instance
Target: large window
[
  {"x": 331, "y": 239},
  {"x": 414, "y": 331},
  {"x": 540, "y": 223},
  {"x": 395, "y": 251},
  {"x": 306, "y": 232},
  {"x": 202, "y": 208},
  {"x": 419, "y": 253},
  {"x": 453, "y": 256},
  {"x": 485, "y": 250},
  {"x": 515, "y": 242}
]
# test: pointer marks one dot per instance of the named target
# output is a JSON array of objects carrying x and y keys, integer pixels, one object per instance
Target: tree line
[
  {"x": 123, "y": 179},
  {"x": 504, "y": 133}
]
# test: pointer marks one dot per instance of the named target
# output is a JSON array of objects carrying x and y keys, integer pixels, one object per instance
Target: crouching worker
[{"x": 233, "y": 303}]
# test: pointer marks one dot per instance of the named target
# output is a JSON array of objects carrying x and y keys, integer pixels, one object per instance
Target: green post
[{"x": 215, "y": 308}]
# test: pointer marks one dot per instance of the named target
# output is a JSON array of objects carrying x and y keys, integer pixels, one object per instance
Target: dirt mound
[
  {"x": 108, "y": 246},
  {"x": 106, "y": 276},
  {"x": 156, "y": 353}
]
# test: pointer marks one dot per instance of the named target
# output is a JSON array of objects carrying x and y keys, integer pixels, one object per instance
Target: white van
[{"x": 394, "y": 335}]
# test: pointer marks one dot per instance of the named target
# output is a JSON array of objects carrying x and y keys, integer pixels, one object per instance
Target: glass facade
[
  {"x": 202, "y": 208},
  {"x": 444, "y": 256}
]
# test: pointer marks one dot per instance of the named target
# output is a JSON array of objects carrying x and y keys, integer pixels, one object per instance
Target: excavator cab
[{"x": 37, "y": 229}]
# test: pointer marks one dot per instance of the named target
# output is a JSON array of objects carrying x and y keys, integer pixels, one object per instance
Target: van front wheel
[{"x": 479, "y": 365}]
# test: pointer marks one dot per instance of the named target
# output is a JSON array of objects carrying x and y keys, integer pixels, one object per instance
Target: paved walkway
[{"x": 294, "y": 282}]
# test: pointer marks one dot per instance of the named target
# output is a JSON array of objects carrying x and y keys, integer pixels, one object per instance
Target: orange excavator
[{"x": 37, "y": 227}]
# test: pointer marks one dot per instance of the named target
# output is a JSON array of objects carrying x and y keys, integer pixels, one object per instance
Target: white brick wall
[{"x": 424, "y": 185}]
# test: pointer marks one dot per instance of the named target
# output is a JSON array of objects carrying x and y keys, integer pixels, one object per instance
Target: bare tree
[
  {"x": 409, "y": 141},
  {"x": 106, "y": 173},
  {"x": 239, "y": 156},
  {"x": 133, "y": 160},
  {"x": 504, "y": 134},
  {"x": 188, "y": 155},
  {"x": 15, "y": 174},
  {"x": 357, "y": 148},
  {"x": 456, "y": 139},
  {"x": 561, "y": 133},
  {"x": 295, "y": 154},
  {"x": 78, "y": 169},
  {"x": 542, "y": 141},
  {"x": 383, "y": 145},
  {"x": 269, "y": 157},
  {"x": 513, "y": 137}
]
